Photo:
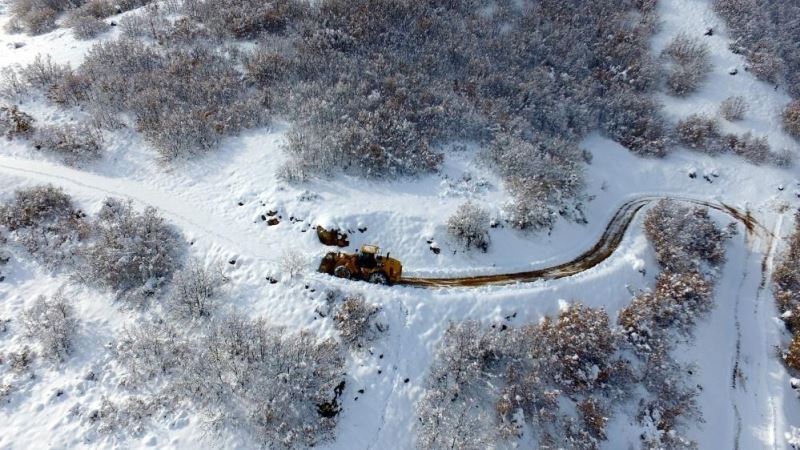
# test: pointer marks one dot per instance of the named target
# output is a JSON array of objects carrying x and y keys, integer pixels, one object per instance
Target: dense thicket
[
  {"x": 373, "y": 88},
  {"x": 279, "y": 387},
  {"x": 689, "y": 248},
  {"x": 786, "y": 278},
  {"x": 766, "y": 33},
  {"x": 560, "y": 378}
]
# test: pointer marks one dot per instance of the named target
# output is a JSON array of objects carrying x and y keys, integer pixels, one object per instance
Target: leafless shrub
[
  {"x": 75, "y": 143},
  {"x": 690, "y": 64},
  {"x": 733, "y": 108},
  {"x": 33, "y": 206},
  {"x": 791, "y": 119},
  {"x": 14, "y": 122},
  {"x": 196, "y": 290},
  {"x": 131, "y": 415},
  {"x": 469, "y": 225},
  {"x": 357, "y": 322},
  {"x": 52, "y": 323},
  {"x": 752, "y": 148},
  {"x": 88, "y": 27},
  {"x": 36, "y": 16},
  {"x": 20, "y": 361},
  {"x": 43, "y": 74},
  {"x": 292, "y": 262},
  {"x": 699, "y": 133},
  {"x": 134, "y": 253}
]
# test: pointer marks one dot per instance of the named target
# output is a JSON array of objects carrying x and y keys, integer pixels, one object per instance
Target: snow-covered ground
[{"x": 751, "y": 409}]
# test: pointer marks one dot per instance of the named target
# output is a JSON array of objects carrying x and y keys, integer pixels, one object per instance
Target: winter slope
[{"x": 201, "y": 197}]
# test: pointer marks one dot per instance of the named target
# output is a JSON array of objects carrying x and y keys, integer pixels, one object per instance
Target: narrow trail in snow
[{"x": 208, "y": 223}]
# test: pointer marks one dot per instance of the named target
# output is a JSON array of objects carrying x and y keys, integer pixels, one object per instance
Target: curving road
[
  {"x": 205, "y": 223},
  {"x": 608, "y": 243}
]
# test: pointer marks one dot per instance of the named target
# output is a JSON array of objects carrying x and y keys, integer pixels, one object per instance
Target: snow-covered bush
[
  {"x": 196, "y": 291},
  {"x": 684, "y": 238},
  {"x": 293, "y": 262},
  {"x": 633, "y": 121},
  {"x": 20, "y": 361},
  {"x": 14, "y": 122},
  {"x": 791, "y": 119},
  {"x": 52, "y": 324},
  {"x": 733, "y": 108},
  {"x": 676, "y": 303},
  {"x": 133, "y": 253},
  {"x": 150, "y": 350},
  {"x": 699, "y": 133},
  {"x": 76, "y": 143},
  {"x": 245, "y": 19},
  {"x": 689, "y": 64},
  {"x": 36, "y": 16},
  {"x": 357, "y": 321},
  {"x": 469, "y": 226},
  {"x": 45, "y": 222}
]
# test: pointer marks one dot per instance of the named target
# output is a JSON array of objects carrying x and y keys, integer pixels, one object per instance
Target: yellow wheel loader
[{"x": 368, "y": 265}]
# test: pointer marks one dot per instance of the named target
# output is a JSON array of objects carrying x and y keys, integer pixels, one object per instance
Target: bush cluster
[
  {"x": 786, "y": 278},
  {"x": 689, "y": 64},
  {"x": 560, "y": 378},
  {"x": 280, "y": 387},
  {"x": 767, "y": 35},
  {"x": 196, "y": 291},
  {"x": 84, "y": 16},
  {"x": 702, "y": 133},
  {"x": 687, "y": 244},
  {"x": 133, "y": 253},
  {"x": 685, "y": 239}
]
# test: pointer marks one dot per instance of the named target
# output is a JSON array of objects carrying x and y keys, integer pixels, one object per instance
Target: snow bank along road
[{"x": 206, "y": 223}]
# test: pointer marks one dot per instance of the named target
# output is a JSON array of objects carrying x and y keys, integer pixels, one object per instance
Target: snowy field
[{"x": 218, "y": 200}]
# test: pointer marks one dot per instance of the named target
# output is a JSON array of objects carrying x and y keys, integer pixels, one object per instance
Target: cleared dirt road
[{"x": 608, "y": 243}]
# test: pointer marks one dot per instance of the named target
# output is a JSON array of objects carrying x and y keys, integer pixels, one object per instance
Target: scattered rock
[
  {"x": 272, "y": 280},
  {"x": 360, "y": 391},
  {"x": 273, "y": 221},
  {"x": 271, "y": 213},
  {"x": 2, "y": 278},
  {"x": 435, "y": 249},
  {"x": 240, "y": 203},
  {"x": 781, "y": 187},
  {"x": 232, "y": 261},
  {"x": 263, "y": 217},
  {"x": 733, "y": 71},
  {"x": 362, "y": 229},
  {"x": 406, "y": 380},
  {"x": 692, "y": 173},
  {"x": 709, "y": 32}
]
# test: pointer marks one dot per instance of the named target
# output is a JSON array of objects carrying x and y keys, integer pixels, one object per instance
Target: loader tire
[
  {"x": 342, "y": 272},
  {"x": 378, "y": 278}
]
